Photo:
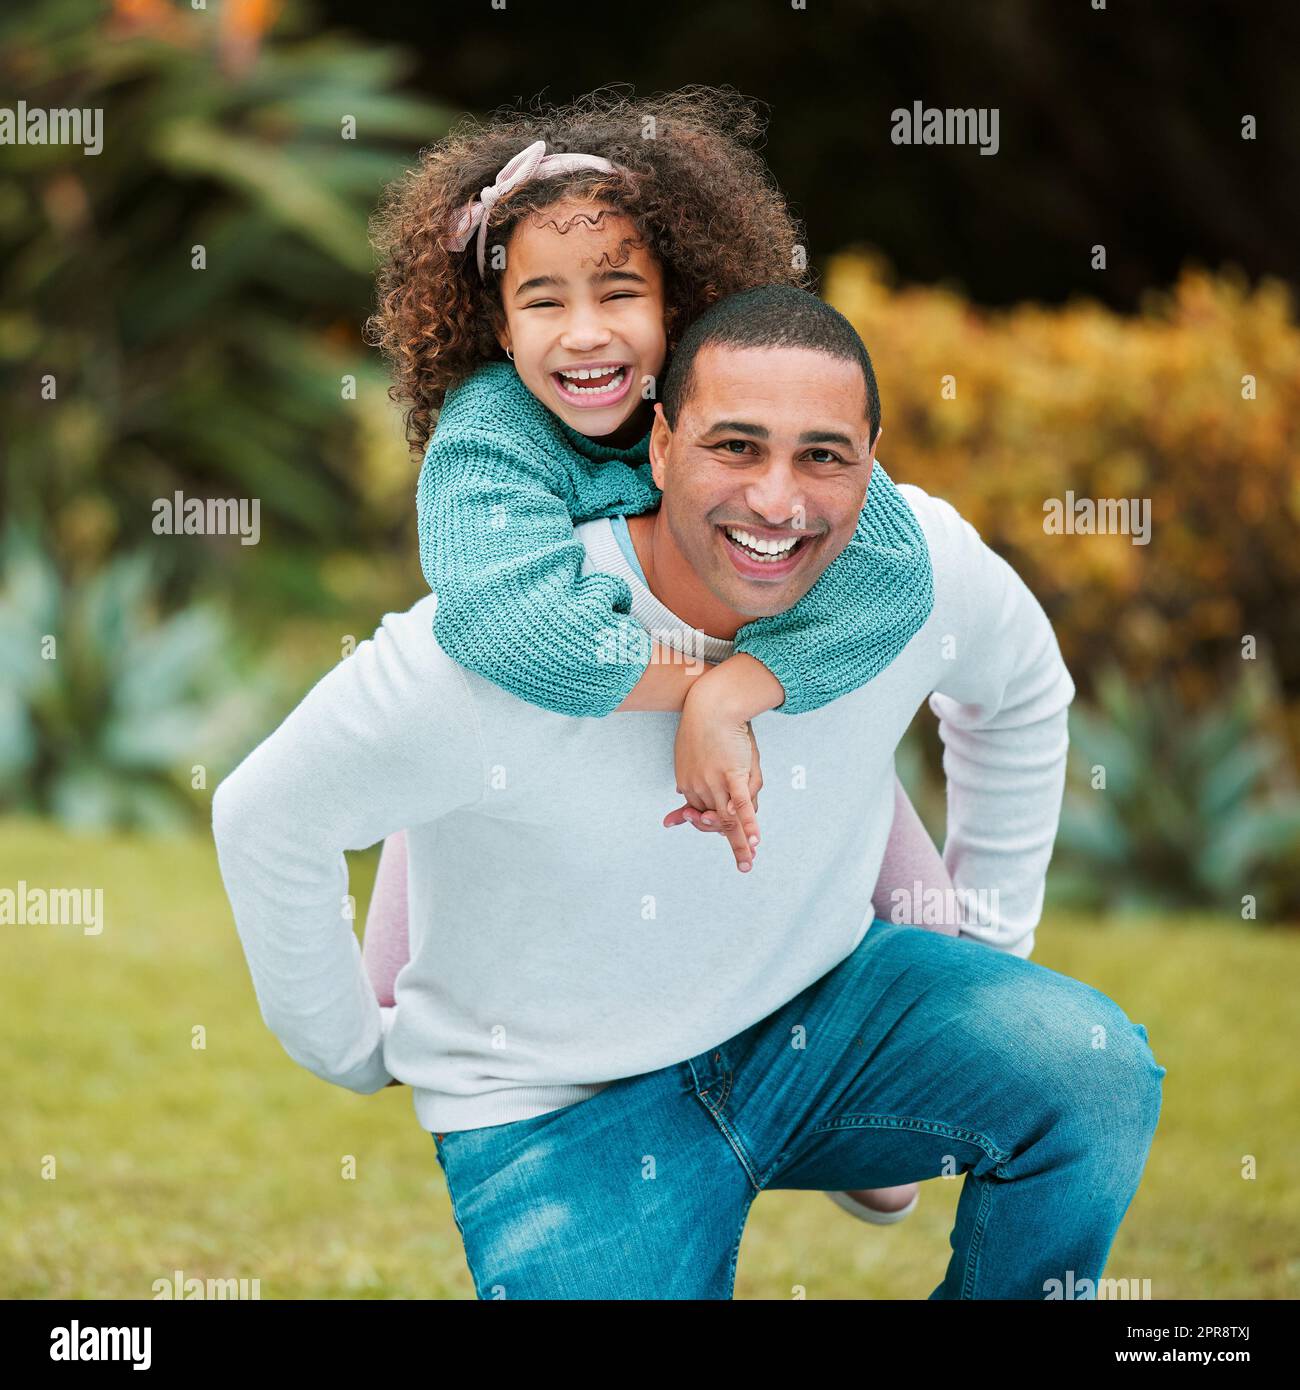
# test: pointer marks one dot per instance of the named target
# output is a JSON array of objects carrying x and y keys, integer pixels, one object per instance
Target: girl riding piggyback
[{"x": 537, "y": 270}]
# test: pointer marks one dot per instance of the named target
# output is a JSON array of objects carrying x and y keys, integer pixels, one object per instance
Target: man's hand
[{"x": 716, "y": 762}]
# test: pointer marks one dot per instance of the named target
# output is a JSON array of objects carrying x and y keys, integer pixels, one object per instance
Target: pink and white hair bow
[{"x": 530, "y": 163}]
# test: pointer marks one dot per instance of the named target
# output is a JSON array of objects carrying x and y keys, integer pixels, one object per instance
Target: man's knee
[
  {"x": 1105, "y": 1068},
  {"x": 1077, "y": 1047},
  {"x": 1077, "y": 1052}
]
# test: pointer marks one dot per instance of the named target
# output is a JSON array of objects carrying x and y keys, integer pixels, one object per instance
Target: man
[{"x": 615, "y": 1044}]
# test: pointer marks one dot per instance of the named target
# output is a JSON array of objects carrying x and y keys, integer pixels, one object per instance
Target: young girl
[{"x": 537, "y": 272}]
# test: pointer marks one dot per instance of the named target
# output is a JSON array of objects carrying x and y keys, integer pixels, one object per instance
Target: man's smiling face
[{"x": 772, "y": 449}]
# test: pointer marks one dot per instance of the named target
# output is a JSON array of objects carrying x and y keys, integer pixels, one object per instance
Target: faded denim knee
[{"x": 1116, "y": 1084}]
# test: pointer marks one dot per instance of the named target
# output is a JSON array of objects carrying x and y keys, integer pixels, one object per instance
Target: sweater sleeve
[
  {"x": 388, "y": 738},
  {"x": 497, "y": 546},
  {"x": 869, "y": 602},
  {"x": 1002, "y": 699}
]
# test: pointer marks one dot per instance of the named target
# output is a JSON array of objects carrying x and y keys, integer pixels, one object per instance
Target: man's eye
[
  {"x": 741, "y": 445},
  {"x": 829, "y": 457}
]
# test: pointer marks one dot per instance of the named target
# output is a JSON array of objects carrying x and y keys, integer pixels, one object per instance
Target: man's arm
[
  {"x": 387, "y": 739},
  {"x": 1002, "y": 702}
]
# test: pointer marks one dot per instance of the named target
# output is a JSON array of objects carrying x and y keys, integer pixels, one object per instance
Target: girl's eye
[{"x": 554, "y": 303}]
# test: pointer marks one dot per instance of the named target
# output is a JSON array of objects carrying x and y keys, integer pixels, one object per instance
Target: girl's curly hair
[{"x": 703, "y": 202}]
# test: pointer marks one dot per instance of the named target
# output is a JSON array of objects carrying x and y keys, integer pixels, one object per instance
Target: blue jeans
[{"x": 918, "y": 1055}]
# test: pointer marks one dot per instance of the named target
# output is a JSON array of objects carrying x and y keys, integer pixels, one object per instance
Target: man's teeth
[
  {"x": 582, "y": 374},
  {"x": 765, "y": 549}
]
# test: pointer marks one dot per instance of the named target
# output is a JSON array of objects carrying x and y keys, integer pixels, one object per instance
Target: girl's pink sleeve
[
  {"x": 386, "y": 946},
  {"x": 914, "y": 886}
]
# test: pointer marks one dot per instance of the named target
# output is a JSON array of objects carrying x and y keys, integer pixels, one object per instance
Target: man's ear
[
  {"x": 660, "y": 438},
  {"x": 871, "y": 461}
]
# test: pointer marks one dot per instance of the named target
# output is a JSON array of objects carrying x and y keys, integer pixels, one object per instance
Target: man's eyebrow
[
  {"x": 758, "y": 432},
  {"x": 737, "y": 427},
  {"x": 825, "y": 437}
]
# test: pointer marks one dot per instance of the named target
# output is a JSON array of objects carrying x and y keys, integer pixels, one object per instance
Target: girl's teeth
[{"x": 571, "y": 378}]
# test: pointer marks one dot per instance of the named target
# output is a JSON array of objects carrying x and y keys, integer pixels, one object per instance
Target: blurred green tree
[
  {"x": 1173, "y": 808},
  {"x": 111, "y": 712},
  {"x": 183, "y": 310}
]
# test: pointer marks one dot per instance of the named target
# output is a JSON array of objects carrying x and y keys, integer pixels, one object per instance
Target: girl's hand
[
  {"x": 706, "y": 821},
  {"x": 716, "y": 762}
]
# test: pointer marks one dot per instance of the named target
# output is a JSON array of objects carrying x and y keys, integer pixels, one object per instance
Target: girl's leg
[{"x": 386, "y": 947}]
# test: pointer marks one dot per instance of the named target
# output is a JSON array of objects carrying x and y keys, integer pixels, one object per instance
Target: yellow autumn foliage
[{"x": 1191, "y": 408}]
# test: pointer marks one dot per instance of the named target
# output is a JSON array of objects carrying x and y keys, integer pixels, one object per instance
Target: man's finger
[
  {"x": 688, "y": 815},
  {"x": 701, "y": 820}
]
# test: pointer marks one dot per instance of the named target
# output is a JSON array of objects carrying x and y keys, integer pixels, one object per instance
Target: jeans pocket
[{"x": 451, "y": 1195}]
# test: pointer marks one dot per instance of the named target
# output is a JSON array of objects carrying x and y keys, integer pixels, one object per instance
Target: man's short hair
[{"x": 771, "y": 316}]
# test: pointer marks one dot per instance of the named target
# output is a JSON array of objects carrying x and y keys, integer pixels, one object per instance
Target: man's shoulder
[
  {"x": 942, "y": 523},
  {"x": 407, "y": 627},
  {"x": 969, "y": 575},
  {"x": 405, "y": 647},
  {"x": 957, "y": 551}
]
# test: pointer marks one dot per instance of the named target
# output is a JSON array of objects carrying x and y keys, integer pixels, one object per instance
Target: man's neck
[{"x": 674, "y": 582}]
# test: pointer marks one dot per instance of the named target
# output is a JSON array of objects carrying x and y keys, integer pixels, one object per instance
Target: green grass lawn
[{"x": 227, "y": 1161}]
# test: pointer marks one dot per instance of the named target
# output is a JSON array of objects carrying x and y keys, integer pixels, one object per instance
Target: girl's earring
[{"x": 510, "y": 354}]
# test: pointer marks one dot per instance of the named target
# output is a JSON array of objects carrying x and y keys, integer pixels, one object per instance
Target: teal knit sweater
[{"x": 504, "y": 482}]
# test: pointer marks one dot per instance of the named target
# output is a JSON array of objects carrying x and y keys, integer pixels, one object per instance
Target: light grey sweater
[{"x": 561, "y": 937}]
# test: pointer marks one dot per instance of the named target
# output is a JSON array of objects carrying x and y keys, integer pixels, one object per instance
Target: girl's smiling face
[{"x": 584, "y": 317}]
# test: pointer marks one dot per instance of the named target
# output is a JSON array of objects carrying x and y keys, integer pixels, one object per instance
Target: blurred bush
[
  {"x": 1082, "y": 400},
  {"x": 263, "y": 153},
  {"x": 1170, "y": 808},
  {"x": 1185, "y": 650},
  {"x": 113, "y": 713},
  {"x": 1166, "y": 808}
]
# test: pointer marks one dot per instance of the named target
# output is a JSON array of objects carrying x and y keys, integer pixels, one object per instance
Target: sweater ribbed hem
[
  {"x": 443, "y": 1114},
  {"x": 774, "y": 654},
  {"x": 662, "y": 623},
  {"x": 595, "y": 452}
]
